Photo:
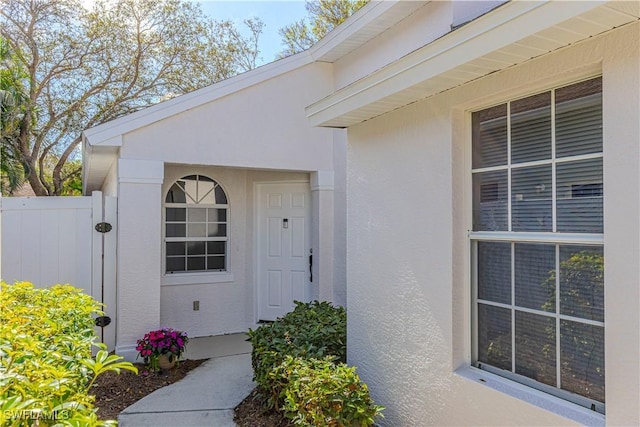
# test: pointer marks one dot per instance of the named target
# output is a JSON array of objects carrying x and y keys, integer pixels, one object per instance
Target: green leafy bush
[
  {"x": 316, "y": 329},
  {"x": 320, "y": 393},
  {"x": 298, "y": 363},
  {"x": 46, "y": 368}
]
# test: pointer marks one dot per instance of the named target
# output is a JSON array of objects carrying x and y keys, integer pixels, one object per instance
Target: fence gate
[{"x": 49, "y": 240}]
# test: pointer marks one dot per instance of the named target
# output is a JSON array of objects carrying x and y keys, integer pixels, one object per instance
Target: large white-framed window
[
  {"x": 537, "y": 242},
  {"x": 196, "y": 226}
]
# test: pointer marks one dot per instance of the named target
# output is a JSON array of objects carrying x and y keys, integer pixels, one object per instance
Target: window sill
[
  {"x": 535, "y": 397},
  {"x": 196, "y": 278}
]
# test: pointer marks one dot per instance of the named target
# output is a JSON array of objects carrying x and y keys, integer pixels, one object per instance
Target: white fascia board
[
  {"x": 109, "y": 132},
  {"x": 89, "y": 137},
  {"x": 87, "y": 161},
  {"x": 503, "y": 26},
  {"x": 358, "y": 22}
]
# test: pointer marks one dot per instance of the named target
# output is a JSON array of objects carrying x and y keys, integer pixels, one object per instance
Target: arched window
[{"x": 196, "y": 236}]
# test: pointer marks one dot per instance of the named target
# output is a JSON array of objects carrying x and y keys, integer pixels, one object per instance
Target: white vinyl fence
[{"x": 49, "y": 240}]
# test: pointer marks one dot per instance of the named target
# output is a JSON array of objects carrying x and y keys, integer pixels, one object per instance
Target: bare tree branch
[{"x": 85, "y": 67}]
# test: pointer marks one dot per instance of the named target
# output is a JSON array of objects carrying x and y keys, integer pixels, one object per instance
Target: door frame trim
[{"x": 257, "y": 185}]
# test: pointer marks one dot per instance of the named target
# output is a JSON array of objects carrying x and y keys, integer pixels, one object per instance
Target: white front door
[{"x": 284, "y": 247}]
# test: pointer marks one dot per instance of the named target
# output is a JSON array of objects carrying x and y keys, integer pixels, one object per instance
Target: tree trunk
[{"x": 35, "y": 183}]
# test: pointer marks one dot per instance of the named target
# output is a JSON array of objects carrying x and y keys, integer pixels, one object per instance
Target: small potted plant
[{"x": 161, "y": 349}]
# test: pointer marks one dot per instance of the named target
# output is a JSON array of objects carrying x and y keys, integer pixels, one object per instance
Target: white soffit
[
  {"x": 364, "y": 25},
  {"x": 509, "y": 35},
  {"x": 97, "y": 161}
]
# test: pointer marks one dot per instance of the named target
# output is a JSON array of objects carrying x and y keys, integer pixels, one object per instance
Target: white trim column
[
  {"x": 139, "y": 256},
  {"x": 322, "y": 234},
  {"x": 110, "y": 269},
  {"x": 621, "y": 110}
]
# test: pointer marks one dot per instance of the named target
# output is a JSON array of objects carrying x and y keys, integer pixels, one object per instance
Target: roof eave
[
  {"x": 330, "y": 48},
  {"x": 105, "y": 133},
  {"x": 101, "y": 144},
  {"x": 364, "y": 25},
  {"x": 97, "y": 161},
  {"x": 407, "y": 79}
]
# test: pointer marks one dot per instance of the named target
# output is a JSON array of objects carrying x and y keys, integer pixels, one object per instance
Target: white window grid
[
  {"x": 187, "y": 239},
  {"x": 192, "y": 203},
  {"x": 513, "y": 237}
]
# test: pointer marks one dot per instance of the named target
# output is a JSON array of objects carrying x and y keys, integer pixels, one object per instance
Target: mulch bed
[
  {"x": 251, "y": 413},
  {"x": 115, "y": 392}
]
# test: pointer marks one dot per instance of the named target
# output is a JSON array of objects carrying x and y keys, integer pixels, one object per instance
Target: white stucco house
[
  {"x": 230, "y": 204},
  {"x": 466, "y": 176}
]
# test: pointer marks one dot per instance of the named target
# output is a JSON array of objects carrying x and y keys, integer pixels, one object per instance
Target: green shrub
[
  {"x": 315, "y": 329},
  {"x": 319, "y": 328},
  {"x": 46, "y": 368},
  {"x": 298, "y": 363},
  {"x": 318, "y": 392}
]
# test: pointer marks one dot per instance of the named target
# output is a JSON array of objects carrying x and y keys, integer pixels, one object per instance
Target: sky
[{"x": 274, "y": 14}]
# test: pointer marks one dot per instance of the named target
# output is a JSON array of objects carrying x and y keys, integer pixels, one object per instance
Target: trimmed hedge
[
  {"x": 298, "y": 363},
  {"x": 315, "y": 329},
  {"x": 46, "y": 368},
  {"x": 318, "y": 392}
]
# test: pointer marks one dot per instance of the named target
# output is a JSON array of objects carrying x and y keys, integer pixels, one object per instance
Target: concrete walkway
[{"x": 205, "y": 397}]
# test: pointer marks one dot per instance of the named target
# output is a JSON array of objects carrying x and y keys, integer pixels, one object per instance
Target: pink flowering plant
[{"x": 165, "y": 341}]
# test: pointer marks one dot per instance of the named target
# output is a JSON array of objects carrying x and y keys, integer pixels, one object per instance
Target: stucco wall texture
[
  {"x": 250, "y": 128},
  {"x": 408, "y": 294}
]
